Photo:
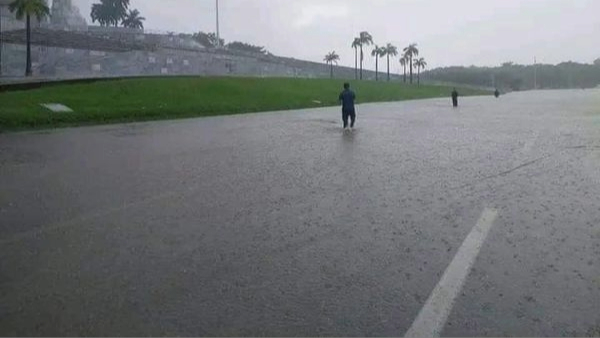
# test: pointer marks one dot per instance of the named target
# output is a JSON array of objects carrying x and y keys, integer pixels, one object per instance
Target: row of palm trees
[{"x": 410, "y": 57}]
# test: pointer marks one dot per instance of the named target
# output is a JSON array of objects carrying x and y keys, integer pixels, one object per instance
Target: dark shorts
[{"x": 348, "y": 113}]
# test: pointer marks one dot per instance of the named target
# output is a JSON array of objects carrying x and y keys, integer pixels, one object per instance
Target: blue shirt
[{"x": 347, "y": 98}]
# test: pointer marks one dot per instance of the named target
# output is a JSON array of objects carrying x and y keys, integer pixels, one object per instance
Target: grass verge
[{"x": 141, "y": 99}]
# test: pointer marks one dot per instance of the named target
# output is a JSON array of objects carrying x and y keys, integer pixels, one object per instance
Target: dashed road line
[{"x": 433, "y": 316}]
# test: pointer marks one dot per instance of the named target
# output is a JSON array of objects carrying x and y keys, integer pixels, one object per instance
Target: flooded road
[{"x": 478, "y": 221}]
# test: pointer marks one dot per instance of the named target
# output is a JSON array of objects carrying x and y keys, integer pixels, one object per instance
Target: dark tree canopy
[
  {"x": 246, "y": 47},
  {"x": 110, "y": 12},
  {"x": 208, "y": 40},
  {"x": 133, "y": 20}
]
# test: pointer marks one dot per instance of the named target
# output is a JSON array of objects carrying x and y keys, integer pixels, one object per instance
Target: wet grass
[{"x": 141, "y": 99}]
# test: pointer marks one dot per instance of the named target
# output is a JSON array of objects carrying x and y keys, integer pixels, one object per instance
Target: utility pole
[
  {"x": 218, "y": 33},
  {"x": 534, "y": 73}
]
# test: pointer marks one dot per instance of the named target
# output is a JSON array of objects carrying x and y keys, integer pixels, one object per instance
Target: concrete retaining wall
[{"x": 54, "y": 62}]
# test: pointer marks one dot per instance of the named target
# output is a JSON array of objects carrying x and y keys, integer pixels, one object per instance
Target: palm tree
[
  {"x": 330, "y": 59},
  {"x": 133, "y": 20},
  {"x": 27, "y": 8},
  {"x": 355, "y": 45},
  {"x": 390, "y": 50},
  {"x": 377, "y": 53},
  {"x": 110, "y": 12},
  {"x": 403, "y": 62},
  {"x": 411, "y": 51},
  {"x": 420, "y": 63},
  {"x": 366, "y": 39}
]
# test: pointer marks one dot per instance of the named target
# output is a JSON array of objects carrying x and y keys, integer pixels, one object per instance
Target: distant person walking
[
  {"x": 455, "y": 98},
  {"x": 497, "y": 93},
  {"x": 347, "y": 98}
]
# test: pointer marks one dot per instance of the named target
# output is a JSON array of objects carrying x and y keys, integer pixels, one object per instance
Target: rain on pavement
[{"x": 280, "y": 224}]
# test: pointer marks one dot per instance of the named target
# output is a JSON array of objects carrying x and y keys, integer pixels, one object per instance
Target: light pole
[
  {"x": 534, "y": 73},
  {"x": 218, "y": 33}
]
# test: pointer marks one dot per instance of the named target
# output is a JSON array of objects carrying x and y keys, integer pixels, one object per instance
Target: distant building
[{"x": 66, "y": 16}]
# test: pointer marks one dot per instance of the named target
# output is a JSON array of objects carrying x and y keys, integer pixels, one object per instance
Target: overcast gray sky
[{"x": 448, "y": 32}]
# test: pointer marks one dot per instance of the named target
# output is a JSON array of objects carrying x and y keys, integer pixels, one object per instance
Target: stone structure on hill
[
  {"x": 7, "y": 19},
  {"x": 65, "y": 15},
  {"x": 66, "y": 47},
  {"x": 109, "y": 53}
]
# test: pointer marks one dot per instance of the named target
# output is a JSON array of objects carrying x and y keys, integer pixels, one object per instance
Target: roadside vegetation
[{"x": 139, "y": 99}]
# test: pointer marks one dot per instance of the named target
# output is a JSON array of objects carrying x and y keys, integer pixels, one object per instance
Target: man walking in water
[
  {"x": 455, "y": 98},
  {"x": 347, "y": 98}
]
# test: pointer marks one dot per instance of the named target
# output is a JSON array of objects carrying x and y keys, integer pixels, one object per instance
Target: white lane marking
[{"x": 433, "y": 316}]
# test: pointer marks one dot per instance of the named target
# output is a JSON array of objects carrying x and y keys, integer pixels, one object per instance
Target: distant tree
[
  {"x": 597, "y": 62},
  {"x": 411, "y": 52},
  {"x": 330, "y": 59},
  {"x": 134, "y": 20},
  {"x": 25, "y": 9},
  {"x": 236, "y": 45},
  {"x": 404, "y": 62},
  {"x": 390, "y": 50},
  {"x": 216, "y": 42},
  {"x": 507, "y": 64},
  {"x": 366, "y": 39},
  {"x": 356, "y": 45},
  {"x": 208, "y": 40},
  {"x": 420, "y": 63},
  {"x": 102, "y": 14},
  {"x": 377, "y": 52},
  {"x": 109, "y": 12}
]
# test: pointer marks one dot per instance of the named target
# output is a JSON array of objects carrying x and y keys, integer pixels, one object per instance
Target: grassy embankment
[{"x": 140, "y": 99}]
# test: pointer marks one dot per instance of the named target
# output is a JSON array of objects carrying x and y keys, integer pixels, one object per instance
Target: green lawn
[{"x": 139, "y": 99}]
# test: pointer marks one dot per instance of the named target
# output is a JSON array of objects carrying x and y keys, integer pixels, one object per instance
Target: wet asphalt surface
[{"x": 279, "y": 224}]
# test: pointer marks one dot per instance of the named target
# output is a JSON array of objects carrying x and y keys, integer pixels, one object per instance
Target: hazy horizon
[{"x": 460, "y": 33}]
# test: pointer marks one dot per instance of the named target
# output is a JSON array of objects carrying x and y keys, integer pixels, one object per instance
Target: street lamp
[
  {"x": 534, "y": 73},
  {"x": 218, "y": 35}
]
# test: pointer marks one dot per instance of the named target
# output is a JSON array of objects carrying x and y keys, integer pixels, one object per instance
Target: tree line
[
  {"x": 210, "y": 40},
  {"x": 408, "y": 58},
  {"x": 514, "y": 77}
]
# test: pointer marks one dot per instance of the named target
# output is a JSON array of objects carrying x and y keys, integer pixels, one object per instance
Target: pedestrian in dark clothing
[
  {"x": 347, "y": 98},
  {"x": 497, "y": 93},
  {"x": 455, "y": 98}
]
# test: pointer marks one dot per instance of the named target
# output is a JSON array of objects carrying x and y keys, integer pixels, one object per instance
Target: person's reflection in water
[{"x": 348, "y": 147}]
